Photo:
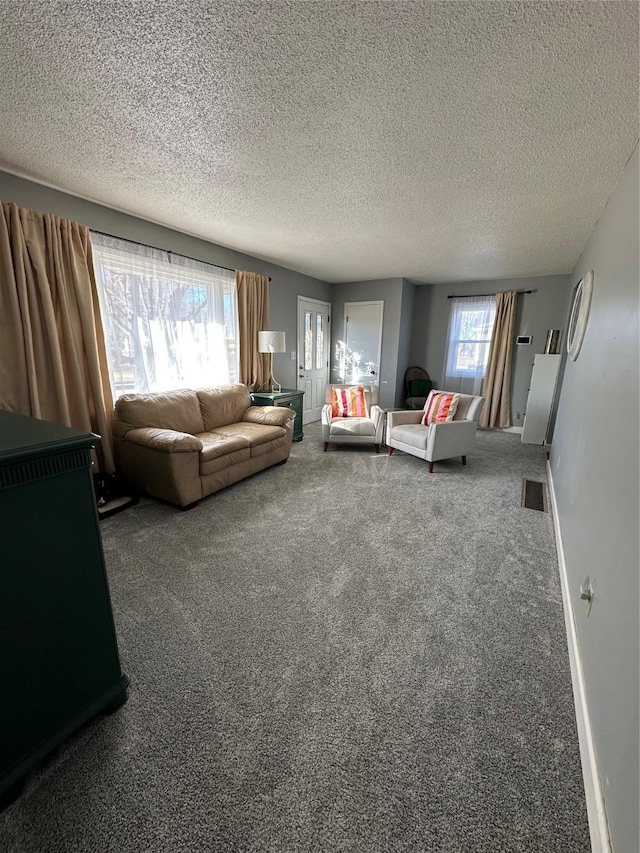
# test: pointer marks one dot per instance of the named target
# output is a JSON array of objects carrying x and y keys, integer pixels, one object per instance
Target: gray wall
[
  {"x": 415, "y": 317},
  {"x": 536, "y": 313},
  {"x": 285, "y": 286},
  {"x": 404, "y": 342},
  {"x": 595, "y": 465},
  {"x": 390, "y": 291}
]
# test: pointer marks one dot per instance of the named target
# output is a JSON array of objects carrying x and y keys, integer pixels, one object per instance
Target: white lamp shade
[{"x": 271, "y": 342}]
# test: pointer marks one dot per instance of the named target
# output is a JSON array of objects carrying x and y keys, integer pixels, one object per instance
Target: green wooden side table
[
  {"x": 287, "y": 397},
  {"x": 58, "y": 651}
]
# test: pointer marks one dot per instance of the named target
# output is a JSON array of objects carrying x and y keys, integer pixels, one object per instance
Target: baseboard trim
[{"x": 598, "y": 827}]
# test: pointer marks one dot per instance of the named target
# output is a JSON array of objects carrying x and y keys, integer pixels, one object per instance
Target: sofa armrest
[
  {"x": 394, "y": 419},
  {"x": 325, "y": 419},
  {"x": 270, "y": 415},
  {"x": 454, "y": 438},
  {"x": 165, "y": 440},
  {"x": 377, "y": 416}
]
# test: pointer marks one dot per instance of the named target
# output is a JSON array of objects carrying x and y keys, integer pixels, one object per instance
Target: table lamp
[{"x": 272, "y": 342}]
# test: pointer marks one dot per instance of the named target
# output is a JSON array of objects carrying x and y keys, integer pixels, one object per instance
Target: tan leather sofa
[{"x": 183, "y": 445}]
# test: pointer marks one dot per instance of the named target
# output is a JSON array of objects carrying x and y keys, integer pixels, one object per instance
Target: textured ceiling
[{"x": 441, "y": 141}]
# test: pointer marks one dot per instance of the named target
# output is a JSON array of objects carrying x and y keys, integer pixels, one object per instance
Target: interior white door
[
  {"x": 313, "y": 355},
  {"x": 358, "y": 354}
]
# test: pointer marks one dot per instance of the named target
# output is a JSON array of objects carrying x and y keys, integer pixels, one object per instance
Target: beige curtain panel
[
  {"x": 497, "y": 379},
  {"x": 253, "y": 317},
  {"x": 52, "y": 357}
]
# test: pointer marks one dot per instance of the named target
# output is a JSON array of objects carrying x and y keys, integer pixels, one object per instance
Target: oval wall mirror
[{"x": 579, "y": 315}]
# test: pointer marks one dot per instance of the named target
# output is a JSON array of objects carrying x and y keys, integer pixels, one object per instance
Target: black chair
[{"x": 416, "y": 387}]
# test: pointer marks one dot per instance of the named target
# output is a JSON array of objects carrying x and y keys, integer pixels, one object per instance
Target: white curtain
[
  {"x": 169, "y": 321},
  {"x": 470, "y": 326}
]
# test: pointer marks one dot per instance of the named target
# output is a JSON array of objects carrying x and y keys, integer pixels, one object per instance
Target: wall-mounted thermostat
[{"x": 524, "y": 340}]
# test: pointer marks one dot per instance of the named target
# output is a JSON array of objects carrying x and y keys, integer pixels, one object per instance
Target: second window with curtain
[{"x": 470, "y": 326}]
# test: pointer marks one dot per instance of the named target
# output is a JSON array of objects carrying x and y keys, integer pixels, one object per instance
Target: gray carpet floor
[{"x": 343, "y": 653}]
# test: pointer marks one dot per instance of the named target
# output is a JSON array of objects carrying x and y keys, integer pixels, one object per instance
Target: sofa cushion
[
  {"x": 165, "y": 440},
  {"x": 254, "y": 433},
  {"x": 225, "y": 404},
  {"x": 353, "y": 426},
  {"x": 268, "y": 446},
  {"x": 469, "y": 408},
  {"x": 215, "y": 445},
  {"x": 415, "y": 435},
  {"x": 219, "y": 463},
  {"x": 270, "y": 415},
  {"x": 177, "y": 410}
]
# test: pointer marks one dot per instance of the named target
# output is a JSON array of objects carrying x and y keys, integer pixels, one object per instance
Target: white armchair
[
  {"x": 369, "y": 430},
  {"x": 437, "y": 441}
]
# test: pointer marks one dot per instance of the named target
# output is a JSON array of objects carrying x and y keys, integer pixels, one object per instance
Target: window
[
  {"x": 308, "y": 341},
  {"x": 470, "y": 327},
  {"x": 169, "y": 321},
  {"x": 319, "y": 341}
]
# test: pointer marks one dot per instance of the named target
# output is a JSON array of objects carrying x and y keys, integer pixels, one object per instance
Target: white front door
[
  {"x": 313, "y": 355},
  {"x": 358, "y": 354}
]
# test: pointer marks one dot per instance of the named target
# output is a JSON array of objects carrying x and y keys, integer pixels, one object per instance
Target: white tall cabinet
[{"x": 541, "y": 391}]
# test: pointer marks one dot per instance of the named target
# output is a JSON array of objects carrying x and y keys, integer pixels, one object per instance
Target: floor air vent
[{"x": 533, "y": 495}]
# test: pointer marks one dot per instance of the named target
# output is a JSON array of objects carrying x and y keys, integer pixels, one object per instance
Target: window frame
[
  {"x": 467, "y": 305},
  {"x": 120, "y": 257}
]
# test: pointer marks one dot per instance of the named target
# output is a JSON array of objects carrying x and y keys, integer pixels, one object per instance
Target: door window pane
[
  {"x": 319, "y": 341},
  {"x": 308, "y": 341}
]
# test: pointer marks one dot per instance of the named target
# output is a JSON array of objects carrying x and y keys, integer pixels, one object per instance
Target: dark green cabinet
[
  {"x": 286, "y": 397},
  {"x": 59, "y": 661}
]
